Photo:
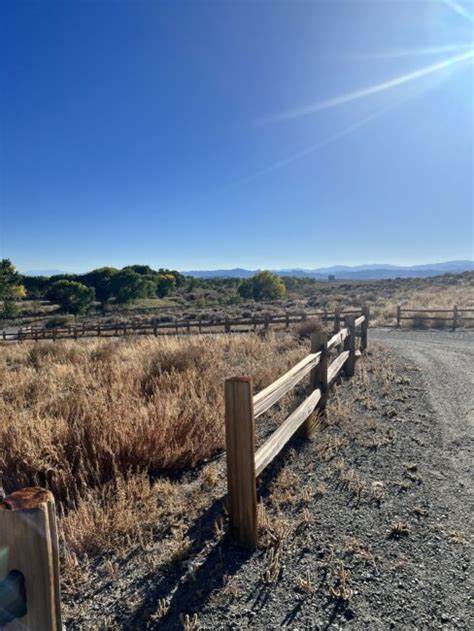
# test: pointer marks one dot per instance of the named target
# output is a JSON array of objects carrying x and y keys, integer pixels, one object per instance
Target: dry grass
[
  {"x": 75, "y": 416},
  {"x": 101, "y": 422}
]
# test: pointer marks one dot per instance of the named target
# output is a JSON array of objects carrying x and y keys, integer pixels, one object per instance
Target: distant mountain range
[
  {"x": 340, "y": 272},
  {"x": 345, "y": 272}
]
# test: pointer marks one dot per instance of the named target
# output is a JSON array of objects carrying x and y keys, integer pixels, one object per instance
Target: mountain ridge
[{"x": 346, "y": 272}]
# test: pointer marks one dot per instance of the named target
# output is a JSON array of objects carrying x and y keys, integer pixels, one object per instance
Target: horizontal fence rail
[
  {"x": 244, "y": 463},
  {"x": 176, "y": 327},
  {"x": 457, "y": 317}
]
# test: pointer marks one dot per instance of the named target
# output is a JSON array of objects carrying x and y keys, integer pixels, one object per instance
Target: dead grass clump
[{"x": 304, "y": 330}]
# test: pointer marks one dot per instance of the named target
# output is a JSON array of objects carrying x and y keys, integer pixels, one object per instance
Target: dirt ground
[{"x": 365, "y": 526}]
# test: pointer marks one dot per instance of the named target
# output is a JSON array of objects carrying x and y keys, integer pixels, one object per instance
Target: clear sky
[{"x": 197, "y": 135}]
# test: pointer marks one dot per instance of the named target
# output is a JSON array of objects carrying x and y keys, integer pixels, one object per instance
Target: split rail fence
[
  {"x": 242, "y": 407},
  {"x": 177, "y": 327},
  {"x": 30, "y": 596},
  {"x": 455, "y": 315}
]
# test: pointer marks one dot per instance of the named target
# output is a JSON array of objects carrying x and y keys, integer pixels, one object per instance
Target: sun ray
[
  {"x": 408, "y": 52},
  {"x": 459, "y": 9},
  {"x": 374, "y": 89}
]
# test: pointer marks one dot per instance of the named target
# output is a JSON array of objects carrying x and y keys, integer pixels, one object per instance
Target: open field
[{"x": 382, "y": 296}]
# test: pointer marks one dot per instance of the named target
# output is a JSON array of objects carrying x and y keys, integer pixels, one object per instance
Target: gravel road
[{"x": 446, "y": 361}]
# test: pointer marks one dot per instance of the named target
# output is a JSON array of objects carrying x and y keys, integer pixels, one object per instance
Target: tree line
[{"x": 77, "y": 293}]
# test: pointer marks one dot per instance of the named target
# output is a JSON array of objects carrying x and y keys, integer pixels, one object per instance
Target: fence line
[
  {"x": 176, "y": 327},
  {"x": 29, "y": 579},
  {"x": 244, "y": 464},
  {"x": 456, "y": 318}
]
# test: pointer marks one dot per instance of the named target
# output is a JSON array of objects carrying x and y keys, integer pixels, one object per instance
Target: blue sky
[{"x": 197, "y": 135}]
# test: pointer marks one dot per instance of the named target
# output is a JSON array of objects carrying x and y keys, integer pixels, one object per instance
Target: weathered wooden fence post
[
  {"x": 227, "y": 324},
  {"x": 4, "y": 334},
  {"x": 29, "y": 572},
  {"x": 54, "y": 334},
  {"x": 399, "y": 315},
  {"x": 365, "y": 327},
  {"x": 337, "y": 320},
  {"x": 349, "y": 345},
  {"x": 455, "y": 317},
  {"x": 240, "y": 454},
  {"x": 318, "y": 379},
  {"x": 98, "y": 330},
  {"x": 266, "y": 325}
]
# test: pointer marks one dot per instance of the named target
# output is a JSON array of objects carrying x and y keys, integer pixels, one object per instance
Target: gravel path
[{"x": 447, "y": 364}]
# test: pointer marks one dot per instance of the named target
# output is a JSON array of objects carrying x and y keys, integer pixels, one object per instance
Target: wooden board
[
  {"x": 272, "y": 393},
  {"x": 282, "y": 435}
]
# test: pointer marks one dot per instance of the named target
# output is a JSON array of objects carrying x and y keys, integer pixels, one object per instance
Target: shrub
[
  {"x": 306, "y": 327},
  {"x": 419, "y": 322},
  {"x": 58, "y": 321}
]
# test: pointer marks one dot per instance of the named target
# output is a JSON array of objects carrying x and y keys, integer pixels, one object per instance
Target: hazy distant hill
[
  {"x": 357, "y": 272},
  {"x": 43, "y": 272}
]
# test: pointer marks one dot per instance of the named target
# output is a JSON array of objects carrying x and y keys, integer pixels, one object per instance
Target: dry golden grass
[{"x": 100, "y": 422}]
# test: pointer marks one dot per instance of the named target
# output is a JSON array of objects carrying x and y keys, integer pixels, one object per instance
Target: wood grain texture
[
  {"x": 240, "y": 453},
  {"x": 29, "y": 537},
  {"x": 338, "y": 338},
  {"x": 336, "y": 366},
  {"x": 272, "y": 393},
  {"x": 282, "y": 435}
]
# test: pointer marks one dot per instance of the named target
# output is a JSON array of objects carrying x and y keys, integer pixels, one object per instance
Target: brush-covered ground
[
  {"x": 366, "y": 525},
  {"x": 219, "y": 298}
]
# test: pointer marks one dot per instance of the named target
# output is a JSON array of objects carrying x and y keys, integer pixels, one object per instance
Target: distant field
[{"x": 216, "y": 300}]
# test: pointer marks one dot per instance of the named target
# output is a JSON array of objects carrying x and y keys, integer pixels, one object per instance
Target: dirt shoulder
[{"x": 367, "y": 525}]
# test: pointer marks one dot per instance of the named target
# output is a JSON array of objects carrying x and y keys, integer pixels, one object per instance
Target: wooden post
[
  {"x": 254, "y": 322},
  {"x": 54, "y": 334},
  {"x": 75, "y": 332},
  {"x": 337, "y": 320},
  {"x": 98, "y": 330},
  {"x": 227, "y": 324},
  {"x": 29, "y": 543},
  {"x": 455, "y": 317},
  {"x": 318, "y": 379},
  {"x": 240, "y": 453},
  {"x": 155, "y": 329},
  {"x": 399, "y": 315},
  {"x": 200, "y": 323},
  {"x": 266, "y": 322},
  {"x": 365, "y": 327},
  {"x": 287, "y": 316},
  {"x": 4, "y": 335},
  {"x": 349, "y": 345}
]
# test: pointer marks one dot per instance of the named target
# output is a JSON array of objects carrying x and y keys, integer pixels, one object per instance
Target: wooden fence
[
  {"x": 29, "y": 578},
  {"x": 242, "y": 407},
  {"x": 176, "y": 327},
  {"x": 456, "y": 316}
]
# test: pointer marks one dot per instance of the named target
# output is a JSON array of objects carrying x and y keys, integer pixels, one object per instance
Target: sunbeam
[
  {"x": 407, "y": 52},
  {"x": 460, "y": 10},
  {"x": 374, "y": 89}
]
